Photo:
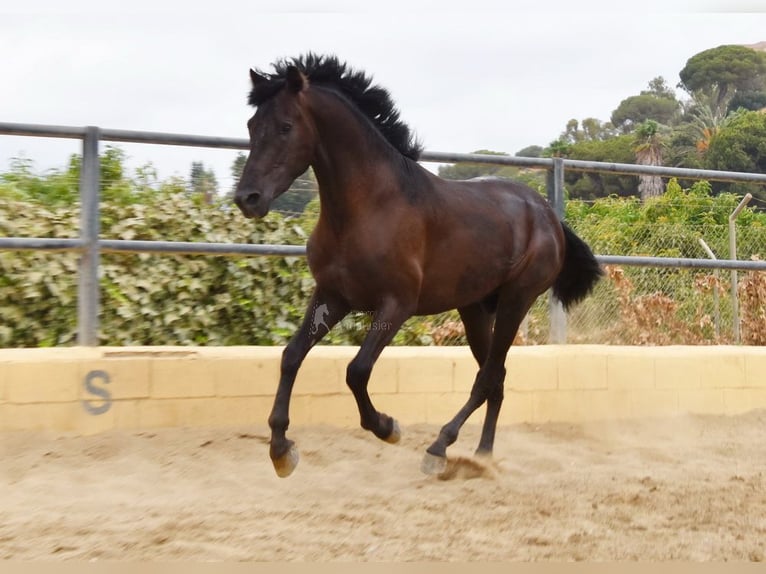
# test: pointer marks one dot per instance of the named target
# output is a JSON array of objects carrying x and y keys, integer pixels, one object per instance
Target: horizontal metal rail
[
  {"x": 174, "y": 139},
  {"x": 679, "y": 172},
  {"x": 128, "y": 136},
  {"x": 491, "y": 159},
  {"x": 191, "y": 248},
  {"x": 167, "y": 247},
  {"x": 163, "y": 138},
  {"x": 265, "y": 249},
  {"x": 40, "y": 244},
  {"x": 639, "y": 261},
  {"x": 41, "y": 130},
  {"x": 595, "y": 166}
]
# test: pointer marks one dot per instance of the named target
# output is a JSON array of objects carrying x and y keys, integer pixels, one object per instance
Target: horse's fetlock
[
  {"x": 448, "y": 435},
  {"x": 279, "y": 422}
]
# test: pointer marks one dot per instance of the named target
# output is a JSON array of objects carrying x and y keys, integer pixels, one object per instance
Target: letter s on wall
[{"x": 104, "y": 394}]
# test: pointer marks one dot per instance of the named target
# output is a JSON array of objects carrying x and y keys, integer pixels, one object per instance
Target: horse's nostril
[{"x": 251, "y": 199}]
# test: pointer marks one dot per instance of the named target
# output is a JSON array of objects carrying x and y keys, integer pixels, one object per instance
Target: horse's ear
[
  {"x": 256, "y": 78},
  {"x": 295, "y": 80}
]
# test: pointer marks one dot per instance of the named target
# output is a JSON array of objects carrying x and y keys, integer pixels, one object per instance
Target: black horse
[{"x": 395, "y": 240}]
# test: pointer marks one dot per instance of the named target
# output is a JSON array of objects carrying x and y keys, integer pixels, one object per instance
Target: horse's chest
[{"x": 354, "y": 277}]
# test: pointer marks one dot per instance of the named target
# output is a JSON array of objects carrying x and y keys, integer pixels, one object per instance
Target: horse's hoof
[
  {"x": 396, "y": 434},
  {"x": 285, "y": 464},
  {"x": 432, "y": 464}
]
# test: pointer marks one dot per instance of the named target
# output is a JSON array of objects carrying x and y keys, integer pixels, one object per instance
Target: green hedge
[
  {"x": 154, "y": 299},
  {"x": 185, "y": 300}
]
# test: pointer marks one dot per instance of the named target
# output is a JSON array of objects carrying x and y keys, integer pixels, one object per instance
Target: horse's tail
[{"x": 579, "y": 273}]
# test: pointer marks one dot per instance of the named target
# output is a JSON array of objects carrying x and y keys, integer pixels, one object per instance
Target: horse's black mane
[{"x": 372, "y": 100}]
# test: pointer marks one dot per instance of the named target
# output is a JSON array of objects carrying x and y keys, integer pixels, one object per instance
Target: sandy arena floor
[{"x": 687, "y": 488}]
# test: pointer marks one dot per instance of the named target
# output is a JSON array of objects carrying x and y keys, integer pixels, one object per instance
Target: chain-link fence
[
  {"x": 665, "y": 306},
  {"x": 655, "y": 306}
]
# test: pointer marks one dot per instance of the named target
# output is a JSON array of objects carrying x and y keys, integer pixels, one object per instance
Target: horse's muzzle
[{"x": 251, "y": 205}]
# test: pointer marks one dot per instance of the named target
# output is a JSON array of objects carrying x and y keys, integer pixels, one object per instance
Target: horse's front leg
[
  {"x": 385, "y": 323},
  {"x": 323, "y": 312}
]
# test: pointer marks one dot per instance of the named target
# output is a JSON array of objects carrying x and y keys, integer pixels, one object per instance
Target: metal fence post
[
  {"x": 555, "y": 185},
  {"x": 716, "y": 274},
  {"x": 733, "y": 256},
  {"x": 88, "y": 296}
]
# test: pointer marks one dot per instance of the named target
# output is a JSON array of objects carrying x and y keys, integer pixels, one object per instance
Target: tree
[
  {"x": 297, "y": 197},
  {"x": 749, "y": 100},
  {"x": 728, "y": 68},
  {"x": 237, "y": 167},
  {"x": 530, "y": 151},
  {"x": 21, "y": 183},
  {"x": 658, "y": 102},
  {"x": 111, "y": 167},
  {"x": 558, "y": 148},
  {"x": 146, "y": 178},
  {"x": 690, "y": 140},
  {"x": 658, "y": 87},
  {"x": 202, "y": 181},
  {"x": 740, "y": 145},
  {"x": 62, "y": 187},
  {"x": 590, "y": 129},
  {"x": 592, "y": 185},
  {"x": 469, "y": 170},
  {"x": 707, "y": 113},
  {"x": 293, "y": 201},
  {"x": 596, "y": 130},
  {"x": 649, "y": 151},
  {"x": 112, "y": 162},
  {"x": 635, "y": 110}
]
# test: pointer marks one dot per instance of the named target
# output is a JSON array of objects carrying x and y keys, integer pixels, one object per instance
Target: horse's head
[{"x": 282, "y": 141}]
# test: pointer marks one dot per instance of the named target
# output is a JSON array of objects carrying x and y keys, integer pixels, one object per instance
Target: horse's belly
[
  {"x": 454, "y": 279},
  {"x": 460, "y": 292}
]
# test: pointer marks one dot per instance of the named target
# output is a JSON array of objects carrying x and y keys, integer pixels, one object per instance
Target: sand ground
[{"x": 688, "y": 488}]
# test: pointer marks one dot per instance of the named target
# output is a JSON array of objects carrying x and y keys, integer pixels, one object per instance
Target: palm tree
[
  {"x": 703, "y": 119},
  {"x": 649, "y": 149},
  {"x": 709, "y": 113}
]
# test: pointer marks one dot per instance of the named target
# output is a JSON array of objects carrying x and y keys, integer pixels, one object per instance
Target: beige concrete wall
[{"x": 87, "y": 390}]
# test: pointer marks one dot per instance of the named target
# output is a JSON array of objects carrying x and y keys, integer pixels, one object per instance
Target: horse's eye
[{"x": 285, "y": 128}]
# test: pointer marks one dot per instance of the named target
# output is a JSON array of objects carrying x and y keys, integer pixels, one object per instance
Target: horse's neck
[{"x": 351, "y": 164}]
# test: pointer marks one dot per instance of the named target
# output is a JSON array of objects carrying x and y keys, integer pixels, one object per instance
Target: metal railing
[{"x": 90, "y": 245}]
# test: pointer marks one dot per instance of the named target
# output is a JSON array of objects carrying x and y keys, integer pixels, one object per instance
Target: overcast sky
[{"x": 496, "y": 77}]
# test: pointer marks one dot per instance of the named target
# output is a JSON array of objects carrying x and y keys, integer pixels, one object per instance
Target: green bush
[
  {"x": 202, "y": 300},
  {"x": 154, "y": 299}
]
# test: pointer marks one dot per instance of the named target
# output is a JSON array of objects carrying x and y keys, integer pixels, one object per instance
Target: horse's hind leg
[
  {"x": 477, "y": 321},
  {"x": 323, "y": 311},
  {"x": 487, "y": 387}
]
